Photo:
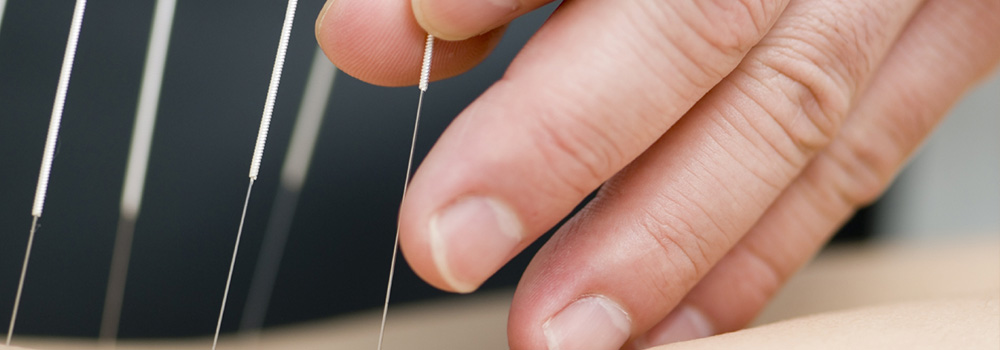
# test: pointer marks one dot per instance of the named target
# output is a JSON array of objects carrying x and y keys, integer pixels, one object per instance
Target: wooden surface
[{"x": 840, "y": 278}]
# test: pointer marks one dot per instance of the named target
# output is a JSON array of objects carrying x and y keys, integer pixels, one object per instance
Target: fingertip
[
  {"x": 463, "y": 243},
  {"x": 371, "y": 41},
  {"x": 685, "y": 322},
  {"x": 420, "y": 248},
  {"x": 591, "y": 322},
  {"x": 321, "y": 17},
  {"x": 427, "y": 24},
  {"x": 456, "y": 20},
  {"x": 380, "y": 42}
]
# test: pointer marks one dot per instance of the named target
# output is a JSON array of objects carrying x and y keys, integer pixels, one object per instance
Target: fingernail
[
  {"x": 471, "y": 239},
  {"x": 684, "y": 323},
  {"x": 593, "y": 322},
  {"x": 322, "y": 15},
  {"x": 462, "y": 19}
]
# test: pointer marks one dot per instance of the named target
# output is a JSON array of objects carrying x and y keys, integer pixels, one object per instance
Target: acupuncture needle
[
  {"x": 298, "y": 159},
  {"x": 50, "y": 147},
  {"x": 136, "y": 166},
  {"x": 258, "y": 152},
  {"x": 425, "y": 72}
]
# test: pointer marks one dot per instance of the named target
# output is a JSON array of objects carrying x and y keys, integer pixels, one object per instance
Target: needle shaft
[
  {"x": 20, "y": 282},
  {"x": 258, "y": 152},
  {"x": 424, "y": 77},
  {"x": 232, "y": 266}
]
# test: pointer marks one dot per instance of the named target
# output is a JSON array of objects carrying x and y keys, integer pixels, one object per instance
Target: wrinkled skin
[{"x": 732, "y": 138}]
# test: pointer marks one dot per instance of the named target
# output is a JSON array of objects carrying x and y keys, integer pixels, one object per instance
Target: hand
[{"x": 731, "y": 138}]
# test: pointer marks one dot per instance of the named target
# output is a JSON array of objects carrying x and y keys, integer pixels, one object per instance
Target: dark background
[{"x": 217, "y": 71}]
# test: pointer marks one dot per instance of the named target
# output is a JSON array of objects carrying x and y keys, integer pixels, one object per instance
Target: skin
[
  {"x": 941, "y": 324},
  {"x": 732, "y": 138}
]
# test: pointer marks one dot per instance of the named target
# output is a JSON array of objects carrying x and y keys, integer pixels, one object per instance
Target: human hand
[{"x": 731, "y": 138}]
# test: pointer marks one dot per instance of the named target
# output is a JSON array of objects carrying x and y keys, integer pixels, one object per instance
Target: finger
[
  {"x": 379, "y": 41},
  {"x": 945, "y": 50},
  {"x": 575, "y": 106},
  {"x": 655, "y": 229},
  {"x": 463, "y": 19}
]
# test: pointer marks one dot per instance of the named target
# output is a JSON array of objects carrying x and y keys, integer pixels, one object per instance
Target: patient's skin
[
  {"x": 967, "y": 324},
  {"x": 955, "y": 324}
]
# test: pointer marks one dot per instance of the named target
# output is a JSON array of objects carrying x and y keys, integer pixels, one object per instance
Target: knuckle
[
  {"x": 684, "y": 239},
  {"x": 703, "y": 40},
  {"x": 673, "y": 259},
  {"x": 865, "y": 171},
  {"x": 735, "y": 26},
  {"x": 814, "y": 102},
  {"x": 763, "y": 273},
  {"x": 579, "y": 156},
  {"x": 843, "y": 40},
  {"x": 815, "y": 60}
]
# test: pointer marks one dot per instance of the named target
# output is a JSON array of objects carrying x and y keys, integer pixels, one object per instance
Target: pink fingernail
[
  {"x": 684, "y": 323},
  {"x": 471, "y": 239},
  {"x": 593, "y": 322}
]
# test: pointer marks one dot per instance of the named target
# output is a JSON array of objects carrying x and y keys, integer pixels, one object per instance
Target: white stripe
[
  {"x": 145, "y": 114},
  {"x": 3, "y": 6},
  {"x": 307, "y": 124}
]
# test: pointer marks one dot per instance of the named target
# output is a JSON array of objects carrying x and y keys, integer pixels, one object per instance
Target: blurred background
[{"x": 337, "y": 255}]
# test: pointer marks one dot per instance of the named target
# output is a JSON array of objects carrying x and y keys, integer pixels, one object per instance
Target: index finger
[
  {"x": 380, "y": 42},
  {"x": 594, "y": 88}
]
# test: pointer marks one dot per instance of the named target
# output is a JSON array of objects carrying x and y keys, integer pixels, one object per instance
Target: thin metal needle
[
  {"x": 48, "y": 154},
  {"x": 20, "y": 283},
  {"x": 258, "y": 152},
  {"x": 298, "y": 159},
  {"x": 424, "y": 77},
  {"x": 232, "y": 265}
]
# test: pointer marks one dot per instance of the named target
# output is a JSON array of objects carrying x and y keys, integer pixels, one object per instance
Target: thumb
[{"x": 463, "y": 19}]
